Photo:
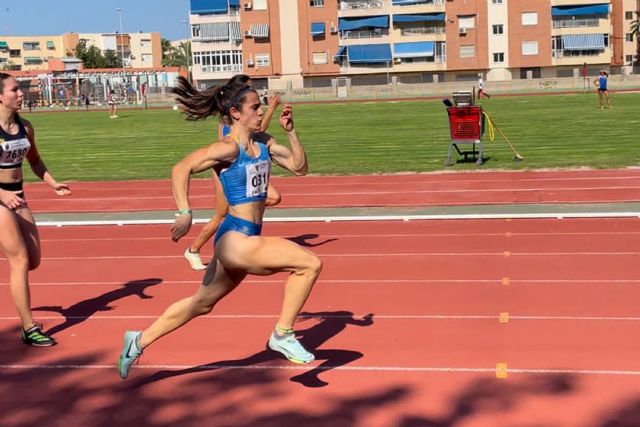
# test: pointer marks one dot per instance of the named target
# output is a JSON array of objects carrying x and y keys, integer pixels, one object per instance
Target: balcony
[
  {"x": 576, "y": 23},
  {"x": 361, "y": 5},
  {"x": 364, "y": 34},
  {"x": 419, "y": 31}
]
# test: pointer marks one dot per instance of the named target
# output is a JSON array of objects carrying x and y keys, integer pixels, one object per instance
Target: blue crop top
[
  {"x": 602, "y": 83},
  {"x": 247, "y": 178}
]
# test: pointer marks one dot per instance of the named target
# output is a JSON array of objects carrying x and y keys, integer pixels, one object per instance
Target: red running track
[
  {"x": 581, "y": 186},
  {"x": 426, "y": 356}
]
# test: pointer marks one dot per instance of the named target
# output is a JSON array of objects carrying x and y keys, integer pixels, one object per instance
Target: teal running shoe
[
  {"x": 131, "y": 351},
  {"x": 291, "y": 348}
]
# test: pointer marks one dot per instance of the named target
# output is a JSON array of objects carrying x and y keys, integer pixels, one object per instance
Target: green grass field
[{"x": 554, "y": 131}]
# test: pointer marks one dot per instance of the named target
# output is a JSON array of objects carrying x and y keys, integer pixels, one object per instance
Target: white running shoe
[
  {"x": 194, "y": 260},
  {"x": 290, "y": 347}
]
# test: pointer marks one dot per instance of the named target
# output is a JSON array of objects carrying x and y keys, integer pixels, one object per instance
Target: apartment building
[
  {"x": 33, "y": 53},
  {"x": 308, "y": 43}
]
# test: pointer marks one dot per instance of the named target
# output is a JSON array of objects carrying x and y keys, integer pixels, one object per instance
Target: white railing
[
  {"x": 358, "y": 5},
  {"x": 221, "y": 68},
  {"x": 421, "y": 30},
  {"x": 364, "y": 34},
  {"x": 575, "y": 23},
  {"x": 424, "y": 3}
]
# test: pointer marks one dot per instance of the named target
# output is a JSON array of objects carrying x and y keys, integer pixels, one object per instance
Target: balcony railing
[
  {"x": 221, "y": 68},
  {"x": 576, "y": 23},
  {"x": 364, "y": 34},
  {"x": 359, "y": 5},
  {"x": 421, "y": 30},
  {"x": 571, "y": 53}
]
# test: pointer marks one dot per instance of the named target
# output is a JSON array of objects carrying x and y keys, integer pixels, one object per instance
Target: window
[
  {"x": 146, "y": 42},
  {"x": 628, "y": 15},
  {"x": 320, "y": 57},
  {"x": 259, "y": 4},
  {"x": 530, "y": 18},
  {"x": 31, "y": 45},
  {"x": 629, "y": 59},
  {"x": 14, "y": 53},
  {"x": 498, "y": 2},
  {"x": 219, "y": 61},
  {"x": 530, "y": 48},
  {"x": 146, "y": 57},
  {"x": 316, "y": 3},
  {"x": 498, "y": 29},
  {"x": 51, "y": 45},
  {"x": 467, "y": 51},
  {"x": 262, "y": 59},
  {"x": 629, "y": 37},
  {"x": 498, "y": 57},
  {"x": 466, "y": 21}
]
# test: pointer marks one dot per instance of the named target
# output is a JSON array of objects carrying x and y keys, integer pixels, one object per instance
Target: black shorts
[
  {"x": 14, "y": 187},
  {"x": 602, "y": 90}
]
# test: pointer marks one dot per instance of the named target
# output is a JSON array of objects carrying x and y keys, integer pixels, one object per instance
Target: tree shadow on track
[
  {"x": 492, "y": 396},
  {"x": 303, "y": 240},
  {"x": 82, "y": 310},
  {"x": 331, "y": 324}
]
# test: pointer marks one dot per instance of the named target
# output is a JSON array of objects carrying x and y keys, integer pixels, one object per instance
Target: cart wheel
[
  {"x": 448, "y": 163},
  {"x": 479, "y": 162}
]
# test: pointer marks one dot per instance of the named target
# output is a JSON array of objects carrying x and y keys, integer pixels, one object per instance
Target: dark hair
[
  {"x": 198, "y": 105},
  {"x": 3, "y": 77}
]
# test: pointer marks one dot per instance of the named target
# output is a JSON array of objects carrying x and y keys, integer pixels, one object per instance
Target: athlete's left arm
[
  {"x": 294, "y": 159},
  {"x": 37, "y": 165}
]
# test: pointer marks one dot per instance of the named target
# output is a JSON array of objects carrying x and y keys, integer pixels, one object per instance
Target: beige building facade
[{"x": 32, "y": 53}]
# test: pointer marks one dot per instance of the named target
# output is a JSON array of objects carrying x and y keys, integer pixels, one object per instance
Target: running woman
[
  {"x": 242, "y": 161},
  {"x": 603, "y": 92},
  {"x": 19, "y": 238},
  {"x": 113, "y": 108},
  {"x": 192, "y": 253}
]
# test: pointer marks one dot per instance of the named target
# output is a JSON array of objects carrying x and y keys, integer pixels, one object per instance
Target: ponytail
[{"x": 198, "y": 105}]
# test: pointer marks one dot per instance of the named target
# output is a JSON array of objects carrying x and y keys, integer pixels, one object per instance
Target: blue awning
[
  {"x": 317, "y": 28},
  {"x": 369, "y": 53},
  {"x": 583, "y": 42},
  {"x": 209, "y": 6},
  {"x": 419, "y": 18},
  {"x": 346, "y": 24},
  {"x": 413, "y": 49},
  {"x": 408, "y": 2},
  {"x": 342, "y": 51},
  {"x": 591, "y": 9}
]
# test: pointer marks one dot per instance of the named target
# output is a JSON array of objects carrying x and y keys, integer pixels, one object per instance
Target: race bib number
[
  {"x": 13, "y": 151},
  {"x": 258, "y": 178}
]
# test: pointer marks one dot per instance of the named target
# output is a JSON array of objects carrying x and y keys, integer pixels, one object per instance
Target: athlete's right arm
[{"x": 195, "y": 162}]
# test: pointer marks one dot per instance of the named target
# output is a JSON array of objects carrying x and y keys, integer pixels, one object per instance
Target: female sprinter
[
  {"x": 19, "y": 239},
  {"x": 192, "y": 253},
  {"x": 243, "y": 163}
]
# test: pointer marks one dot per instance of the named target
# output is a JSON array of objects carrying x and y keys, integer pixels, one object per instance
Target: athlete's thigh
[
  {"x": 218, "y": 281},
  {"x": 263, "y": 255},
  {"x": 30, "y": 234},
  {"x": 11, "y": 240}
]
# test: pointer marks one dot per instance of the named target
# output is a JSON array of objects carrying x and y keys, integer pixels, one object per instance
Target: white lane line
[
  {"x": 472, "y": 216},
  {"x": 330, "y": 316},
  {"x": 512, "y": 234},
  {"x": 367, "y": 282},
  {"x": 360, "y": 255},
  {"x": 406, "y": 369}
]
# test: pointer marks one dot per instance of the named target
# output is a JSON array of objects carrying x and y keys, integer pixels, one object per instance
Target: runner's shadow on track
[
  {"x": 81, "y": 311},
  {"x": 303, "y": 240},
  {"x": 331, "y": 324}
]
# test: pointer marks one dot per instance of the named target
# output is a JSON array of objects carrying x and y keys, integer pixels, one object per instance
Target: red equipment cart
[{"x": 467, "y": 125}]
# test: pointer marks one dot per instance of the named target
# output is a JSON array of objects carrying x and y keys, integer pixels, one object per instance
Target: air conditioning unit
[
  {"x": 247, "y": 5},
  {"x": 132, "y": 57},
  {"x": 463, "y": 31},
  {"x": 397, "y": 60},
  {"x": 250, "y": 62},
  {"x": 247, "y": 33},
  {"x": 333, "y": 29}
]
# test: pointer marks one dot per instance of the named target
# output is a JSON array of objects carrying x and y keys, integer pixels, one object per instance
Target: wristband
[{"x": 184, "y": 212}]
